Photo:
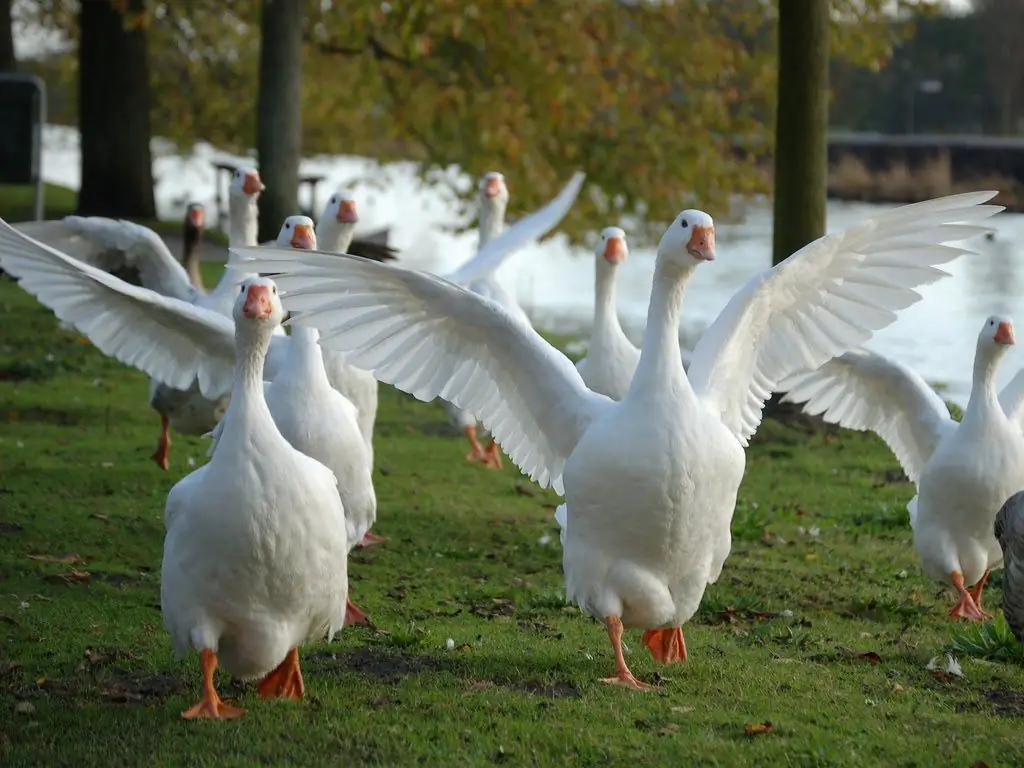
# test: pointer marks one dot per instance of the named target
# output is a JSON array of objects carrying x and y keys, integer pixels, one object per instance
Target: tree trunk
[
  {"x": 279, "y": 114},
  {"x": 7, "y": 61},
  {"x": 801, "y": 126},
  {"x": 113, "y": 114}
]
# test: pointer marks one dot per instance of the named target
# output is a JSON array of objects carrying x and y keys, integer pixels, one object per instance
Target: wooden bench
[{"x": 311, "y": 180}]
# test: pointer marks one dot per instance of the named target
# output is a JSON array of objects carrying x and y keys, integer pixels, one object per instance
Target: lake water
[{"x": 555, "y": 282}]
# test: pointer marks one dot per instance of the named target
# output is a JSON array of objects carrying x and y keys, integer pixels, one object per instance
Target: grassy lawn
[
  {"x": 17, "y": 204},
  {"x": 821, "y": 624}
]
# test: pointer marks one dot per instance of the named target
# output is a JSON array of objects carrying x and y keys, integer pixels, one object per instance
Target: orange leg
[
  {"x": 476, "y": 452},
  {"x": 285, "y": 680},
  {"x": 353, "y": 615},
  {"x": 211, "y": 704},
  {"x": 666, "y": 645},
  {"x": 369, "y": 539},
  {"x": 623, "y": 676},
  {"x": 975, "y": 592},
  {"x": 966, "y": 608},
  {"x": 163, "y": 445},
  {"x": 492, "y": 455}
]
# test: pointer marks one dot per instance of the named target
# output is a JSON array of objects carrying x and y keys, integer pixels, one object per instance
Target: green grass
[
  {"x": 18, "y": 204},
  {"x": 826, "y": 636}
]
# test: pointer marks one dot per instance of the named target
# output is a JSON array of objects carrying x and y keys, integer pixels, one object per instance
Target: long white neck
[
  {"x": 247, "y": 405},
  {"x": 983, "y": 389},
  {"x": 305, "y": 357},
  {"x": 243, "y": 220},
  {"x": 333, "y": 235},
  {"x": 606, "y": 317},
  {"x": 491, "y": 220},
  {"x": 660, "y": 361},
  {"x": 243, "y": 223}
]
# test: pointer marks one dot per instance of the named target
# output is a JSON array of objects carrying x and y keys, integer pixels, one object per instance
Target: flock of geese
[{"x": 647, "y": 445}]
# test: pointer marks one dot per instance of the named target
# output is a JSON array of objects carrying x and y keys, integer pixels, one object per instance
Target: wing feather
[
  {"x": 171, "y": 340},
  {"x": 825, "y": 299},
  {"x": 866, "y": 391},
  {"x": 431, "y": 338}
]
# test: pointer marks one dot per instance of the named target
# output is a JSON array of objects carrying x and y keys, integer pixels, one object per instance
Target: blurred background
[{"x": 664, "y": 105}]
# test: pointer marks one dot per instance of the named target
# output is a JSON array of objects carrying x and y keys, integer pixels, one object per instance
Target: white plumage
[
  {"x": 650, "y": 482},
  {"x": 255, "y": 553},
  {"x": 963, "y": 472}
]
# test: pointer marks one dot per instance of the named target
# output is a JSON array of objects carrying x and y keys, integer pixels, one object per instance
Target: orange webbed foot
[
  {"x": 627, "y": 681},
  {"x": 492, "y": 456},
  {"x": 370, "y": 539},
  {"x": 285, "y": 680},
  {"x": 354, "y": 615},
  {"x": 666, "y": 645},
  {"x": 966, "y": 608},
  {"x": 211, "y": 705}
]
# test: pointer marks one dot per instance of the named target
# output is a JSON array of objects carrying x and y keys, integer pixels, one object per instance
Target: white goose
[
  {"x": 334, "y": 232},
  {"x": 478, "y": 274},
  {"x": 255, "y": 552},
  {"x": 651, "y": 481},
  {"x": 319, "y": 420},
  {"x": 963, "y": 472},
  {"x": 111, "y": 245},
  {"x": 611, "y": 358}
]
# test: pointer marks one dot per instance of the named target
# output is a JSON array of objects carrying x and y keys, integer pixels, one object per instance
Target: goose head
[
  {"x": 996, "y": 335},
  {"x": 258, "y": 303},
  {"x": 245, "y": 182},
  {"x": 341, "y": 207},
  {"x": 689, "y": 240},
  {"x": 195, "y": 217},
  {"x": 297, "y": 232},
  {"x": 493, "y": 193},
  {"x": 612, "y": 246}
]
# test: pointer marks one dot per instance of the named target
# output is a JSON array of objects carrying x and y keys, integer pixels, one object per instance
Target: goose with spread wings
[
  {"x": 650, "y": 481},
  {"x": 963, "y": 471}
]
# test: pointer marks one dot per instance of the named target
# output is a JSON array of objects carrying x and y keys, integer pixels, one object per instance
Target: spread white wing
[
  {"x": 863, "y": 390},
  {"x": 112, "y": 245},
  {"x": 1012, "y": 399},
  {"x": 432, "y": 339},
  {"x": 529, "y": 228},
  {"x": 825, "y": 299},
  {"x": 171, "y": 340}
]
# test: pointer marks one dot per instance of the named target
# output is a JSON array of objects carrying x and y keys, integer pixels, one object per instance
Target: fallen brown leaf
[
  {"x": 870, "y": 656},
  {"x": 64, "y": 559},
  {"x": 7, "y": 619},
  {"x": 98, "y": 516},
  {"x": 756, "y": 729},
  {"x": 979, "y": 764}
]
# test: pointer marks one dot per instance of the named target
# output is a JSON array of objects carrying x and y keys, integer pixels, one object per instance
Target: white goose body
[
  {"x": 963, "y": 472},
  {"x": 650, "y": 482},
  {"x": 255, "y": 556}
]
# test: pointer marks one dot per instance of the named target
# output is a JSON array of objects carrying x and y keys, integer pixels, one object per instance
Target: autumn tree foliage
[{"x": 663, "y": 104}]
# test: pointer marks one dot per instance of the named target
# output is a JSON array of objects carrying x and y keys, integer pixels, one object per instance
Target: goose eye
[
  {"x": 684, "y": 224},
  {"x": 275, "y": 290},
  {"x": 241, "y": 289},
  {"x": 287, "y": 226}
]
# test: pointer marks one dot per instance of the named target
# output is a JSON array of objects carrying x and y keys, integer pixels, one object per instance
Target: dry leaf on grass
[
  {"x": 870, "y": 656},
  {"x": 756, "y": 729},
  {"x": 68, "y": 559}
]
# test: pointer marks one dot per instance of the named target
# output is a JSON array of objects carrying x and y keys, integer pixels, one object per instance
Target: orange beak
[
  {"x": 492, "y": 188},
  {"x": 347, "y": 212},
  {"x": 196, "y": 216},
  {"x": 252, "y": 185},
  {"x": 303, "y": 237},
  {"x": 702, "y": 244},
  {"x": 257, "y": 303},
  {"x": 615, "y": 250},
  {"x": 1004, "y": 334}
]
